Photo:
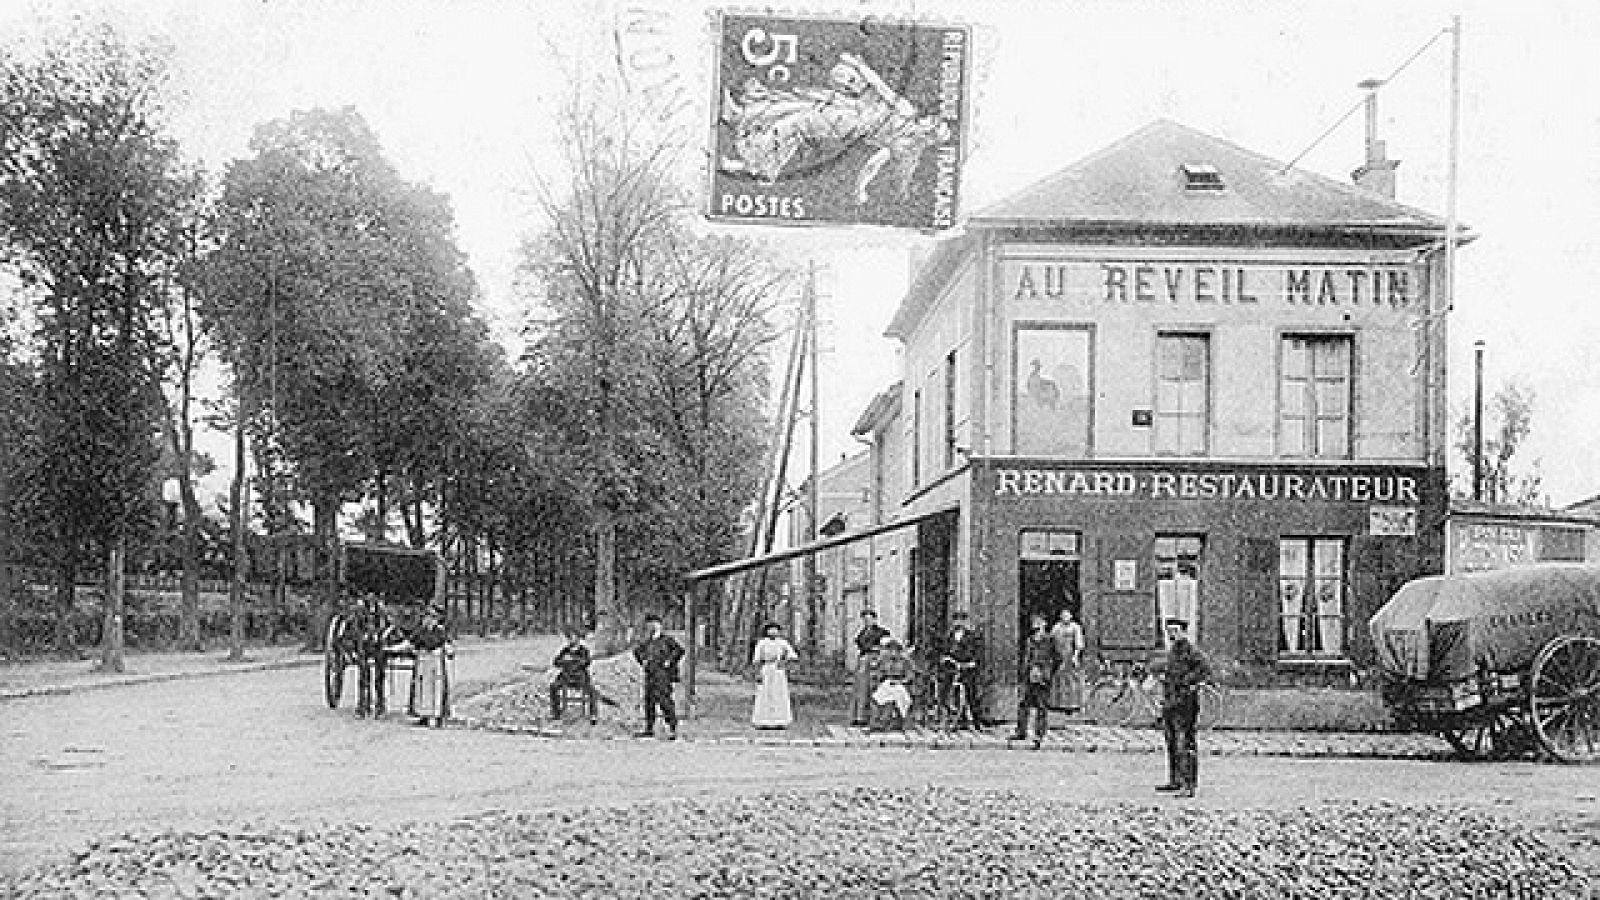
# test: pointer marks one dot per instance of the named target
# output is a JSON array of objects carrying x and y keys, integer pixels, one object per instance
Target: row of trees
[{"x": 621, "y": 447}]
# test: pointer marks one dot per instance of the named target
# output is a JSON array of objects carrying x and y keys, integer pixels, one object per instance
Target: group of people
[
  {"x": 374, "y": 639},
  {"x": 657, "y": 654},
  {"x": 881, "y": 696},
  {"x": 1052, "y": 657}
]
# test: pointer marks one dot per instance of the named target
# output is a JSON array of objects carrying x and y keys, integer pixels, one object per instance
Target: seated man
[
  {"x": 891, "y": 701},
  {"x": 572, "y": 671}
]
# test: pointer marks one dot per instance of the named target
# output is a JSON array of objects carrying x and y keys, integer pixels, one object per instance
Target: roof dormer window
[{"x": 1201, "y": 177}]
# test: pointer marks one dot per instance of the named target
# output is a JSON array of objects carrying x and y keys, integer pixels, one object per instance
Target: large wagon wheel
[
  {"x": 333, "y": 662},
  {"x": 1564, "y": 698}
]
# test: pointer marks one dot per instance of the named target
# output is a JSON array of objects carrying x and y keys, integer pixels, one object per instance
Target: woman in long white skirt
[{"x": 772, "y": 654}]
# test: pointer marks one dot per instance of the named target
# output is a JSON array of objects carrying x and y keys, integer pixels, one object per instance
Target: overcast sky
[{"x": 461, "y": 94}]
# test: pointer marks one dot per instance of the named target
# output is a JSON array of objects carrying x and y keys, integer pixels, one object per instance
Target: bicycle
[
  {"x": 952, "y": 705},
  {"x": 1121, "y": 695},
  {"x": 1127, "y": 695}
]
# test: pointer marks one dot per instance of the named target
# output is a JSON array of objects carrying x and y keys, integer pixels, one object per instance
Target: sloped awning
[{"x": 755, "y": 562}]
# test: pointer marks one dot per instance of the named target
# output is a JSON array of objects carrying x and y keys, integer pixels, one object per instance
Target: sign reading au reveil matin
[{"x": 838, "y": 121}]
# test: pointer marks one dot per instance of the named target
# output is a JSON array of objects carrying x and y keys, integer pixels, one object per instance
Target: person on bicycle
[
  {"x": 1186, "y": 669},
  {"x": 962, "y": 651},
  {"x": 1040, "y": 662}
]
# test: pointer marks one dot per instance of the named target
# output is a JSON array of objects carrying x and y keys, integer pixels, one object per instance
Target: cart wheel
[
  {"x": 1564, "y": 698},
  {"x": 333, "y": 662}
]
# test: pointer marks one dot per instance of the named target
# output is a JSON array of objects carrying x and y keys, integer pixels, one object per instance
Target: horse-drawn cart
[
  {"x": 405, "y": 583},
  {"x": 1500, "y": 664}
]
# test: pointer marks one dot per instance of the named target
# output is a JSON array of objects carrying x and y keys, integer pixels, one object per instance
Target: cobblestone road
[{"x": 254, "y": 748}]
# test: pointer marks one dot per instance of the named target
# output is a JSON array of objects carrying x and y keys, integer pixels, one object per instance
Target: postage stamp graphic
[{"x": 838, "y": 121}]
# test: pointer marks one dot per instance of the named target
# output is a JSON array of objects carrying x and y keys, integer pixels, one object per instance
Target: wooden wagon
[
  {"x": 406, "y": 581},
  {"x": 1501, "y": 664}
]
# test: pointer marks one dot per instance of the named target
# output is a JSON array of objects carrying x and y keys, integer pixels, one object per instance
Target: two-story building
[{"x": 1176, "y": 378}]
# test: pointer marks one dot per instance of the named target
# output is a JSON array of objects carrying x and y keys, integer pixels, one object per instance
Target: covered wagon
[{"x": 1500, "y": 663}]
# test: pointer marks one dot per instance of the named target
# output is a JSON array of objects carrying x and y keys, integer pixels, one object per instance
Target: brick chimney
[{"x": 1376, "y": 174}]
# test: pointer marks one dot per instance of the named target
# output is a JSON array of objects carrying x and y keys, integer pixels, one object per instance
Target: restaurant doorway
[{"x": 1049, "y": 579}]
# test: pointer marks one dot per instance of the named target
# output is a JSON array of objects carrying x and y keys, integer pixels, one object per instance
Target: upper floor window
[
  {"x": 1314, "y": 396},
  {"x": 1051, "y": 386},
  {"x": 1183, "y": 364}
]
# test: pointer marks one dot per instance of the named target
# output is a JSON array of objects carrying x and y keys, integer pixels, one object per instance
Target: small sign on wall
[
  {"x": 1125, "y": 574},
  {"x": 1392, "y": 521}
]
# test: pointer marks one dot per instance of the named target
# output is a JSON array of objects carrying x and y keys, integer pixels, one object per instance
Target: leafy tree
[
  {"x": 16, "y": 423},
  {"x": 344, "y": 308},
  {"x": 645, "y": 375},
  {"x": 88, "y": 183},
  {"x": 1508, "y": 421},
  {"x": 183, "y": 343},
  {"x": 591, "y": 261}
]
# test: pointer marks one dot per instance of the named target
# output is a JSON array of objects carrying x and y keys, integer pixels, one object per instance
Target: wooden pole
[
  {"x": 809, "y": 568},
  {"x": 236, "y": 499},
  {"x": 111, "y": 637},
  {"x": 693, "y": 652}
]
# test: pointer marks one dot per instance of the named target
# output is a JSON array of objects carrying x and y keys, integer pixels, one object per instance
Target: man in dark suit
[
  {"x": 962, "y": 651},
  {"x": 658, "y": 656},
  {"x": 869, "y": 642},
  {"x": 1186, "y": 669}
]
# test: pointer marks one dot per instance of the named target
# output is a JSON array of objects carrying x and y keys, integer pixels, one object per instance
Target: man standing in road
[
  {"x": 1039, "y": 667},
  {"x": 1186, "y": 670},
  {"x": 658, "y": 656}
]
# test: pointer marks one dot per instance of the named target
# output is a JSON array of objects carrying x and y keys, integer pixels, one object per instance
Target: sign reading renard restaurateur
[{"x": 838, "y": 121}]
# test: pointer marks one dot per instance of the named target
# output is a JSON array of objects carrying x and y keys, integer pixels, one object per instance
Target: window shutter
[{"x": 1258, "y": 599}]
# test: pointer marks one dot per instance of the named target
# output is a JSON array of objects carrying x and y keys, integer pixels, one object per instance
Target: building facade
[
  {"x": 843, "y": 574},
  {"x": 1481, "y": 537},
  {"x": 1177, "y": 378}
]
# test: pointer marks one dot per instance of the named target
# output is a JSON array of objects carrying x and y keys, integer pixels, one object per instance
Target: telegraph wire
[{"x": 1359, "y": 103}]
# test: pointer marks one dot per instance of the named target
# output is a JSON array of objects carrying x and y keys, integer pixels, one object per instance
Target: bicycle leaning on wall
[{"x": 1126, "y": 694}]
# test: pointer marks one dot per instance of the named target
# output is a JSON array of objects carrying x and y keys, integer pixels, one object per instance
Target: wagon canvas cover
[{"x": 1440, "y": 629}]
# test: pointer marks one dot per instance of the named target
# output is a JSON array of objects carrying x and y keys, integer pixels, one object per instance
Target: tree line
[{"x": 614, "y": 454}]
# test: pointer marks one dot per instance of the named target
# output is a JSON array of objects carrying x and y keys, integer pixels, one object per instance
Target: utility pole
[
  {"x": 1477, "y": 422},
  {"x": 809, "y": 567}
]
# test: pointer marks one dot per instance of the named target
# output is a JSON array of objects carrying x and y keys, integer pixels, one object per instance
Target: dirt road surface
[{"x": 262, "y": 747}]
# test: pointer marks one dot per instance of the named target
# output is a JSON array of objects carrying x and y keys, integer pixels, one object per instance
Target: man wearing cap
[
  {"x": 1186, "y": 670},
  {"x": 430, "y": 674},
  {"x": 658, "y": 656},
  {"x": 571, "y": 666},
  {"x": 962, "y": 650},
  {"x": 869, "y": 642}
]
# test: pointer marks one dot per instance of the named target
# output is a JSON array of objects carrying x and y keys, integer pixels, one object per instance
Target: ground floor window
[
  {"x": 1311, "y": 597},
  {"x": 1178, "y": 581}
]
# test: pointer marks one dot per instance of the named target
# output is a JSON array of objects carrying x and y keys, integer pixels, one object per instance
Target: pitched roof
[
  {"x": 881, "y": 409},
  {"x": 1140, "y": 180}
]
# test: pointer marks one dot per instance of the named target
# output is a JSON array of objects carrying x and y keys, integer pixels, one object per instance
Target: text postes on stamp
[{"x": 836, "y": 121}]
